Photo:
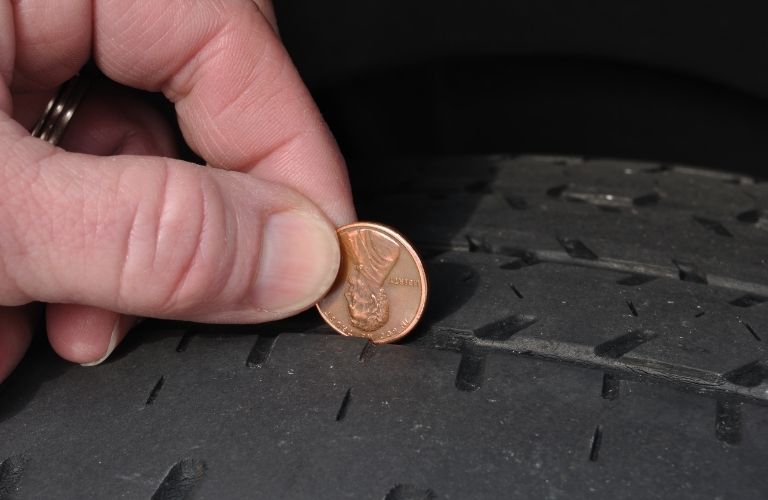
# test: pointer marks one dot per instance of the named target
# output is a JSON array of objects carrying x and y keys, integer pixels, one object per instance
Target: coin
[{"x": 381, "y": 289}]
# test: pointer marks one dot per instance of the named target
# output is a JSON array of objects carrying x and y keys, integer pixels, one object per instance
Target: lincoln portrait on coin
[{"x": 373, "y": 255}]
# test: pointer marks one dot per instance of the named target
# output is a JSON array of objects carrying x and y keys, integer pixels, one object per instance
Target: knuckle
[{"x": 178, "y": 265}]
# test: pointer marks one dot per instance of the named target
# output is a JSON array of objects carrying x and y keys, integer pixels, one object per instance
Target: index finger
[{"x": 240, "y": 101}]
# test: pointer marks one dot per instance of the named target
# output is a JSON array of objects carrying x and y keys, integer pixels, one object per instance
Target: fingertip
[
  {"x": 84, "y": 334},
  {"x": 299, "y": 261}
]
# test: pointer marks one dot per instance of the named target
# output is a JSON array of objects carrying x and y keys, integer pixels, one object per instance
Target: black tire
[{"x": 595, "y": 328}]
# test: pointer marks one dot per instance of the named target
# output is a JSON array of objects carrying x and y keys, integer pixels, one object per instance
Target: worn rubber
[{"x": 595, "y": 328}]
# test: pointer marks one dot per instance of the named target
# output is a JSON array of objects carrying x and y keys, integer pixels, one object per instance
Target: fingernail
[
  {"x": 299, "y": 261},
  {"x": 110, "y": 347}
]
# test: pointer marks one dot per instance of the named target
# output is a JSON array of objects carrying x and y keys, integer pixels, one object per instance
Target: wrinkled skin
[{"x": 110, "y": 227}]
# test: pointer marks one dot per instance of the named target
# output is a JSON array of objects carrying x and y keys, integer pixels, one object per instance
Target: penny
[{"x": 381, "y": 289}]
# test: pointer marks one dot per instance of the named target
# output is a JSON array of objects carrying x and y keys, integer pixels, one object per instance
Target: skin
[{"x": 109, "y": 227}]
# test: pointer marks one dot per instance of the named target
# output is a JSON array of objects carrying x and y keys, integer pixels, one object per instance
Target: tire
[{"x": 595, "y": 328}]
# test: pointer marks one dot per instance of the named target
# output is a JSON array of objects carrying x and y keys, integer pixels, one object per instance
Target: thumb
[{"x": 156, "y": 237}]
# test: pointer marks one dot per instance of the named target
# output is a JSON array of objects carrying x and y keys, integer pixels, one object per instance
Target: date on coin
[{"x": 381, "y": 288}]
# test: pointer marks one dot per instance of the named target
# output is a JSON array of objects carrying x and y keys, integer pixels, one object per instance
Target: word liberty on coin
[{"x": 381, "y": 288}]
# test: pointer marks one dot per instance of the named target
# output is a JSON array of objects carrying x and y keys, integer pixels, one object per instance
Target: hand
[{"x": 104, "y": 239}]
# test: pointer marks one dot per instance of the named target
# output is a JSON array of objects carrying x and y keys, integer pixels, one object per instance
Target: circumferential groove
[
  {"x": 410, "y": 492},
  {"x": 181, "y": 480}
]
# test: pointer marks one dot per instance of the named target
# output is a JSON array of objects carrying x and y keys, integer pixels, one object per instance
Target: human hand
[{"x": 105, "y": 239}]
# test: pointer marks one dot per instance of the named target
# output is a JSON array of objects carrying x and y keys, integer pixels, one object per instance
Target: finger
[
  {"x": 240, "y": 100},
  {"x": 7, "y": 55},
  {"x": 15, "y": 335},
  {"x": 268, "y": 11},
  {"x": 85, "y": 334},
  {"x": 111, "y": 120},
  {"x": 156, "y": 237},
  {"x": 52, "y": 42}
]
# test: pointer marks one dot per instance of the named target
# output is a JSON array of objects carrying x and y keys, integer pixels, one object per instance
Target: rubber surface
[{"x": 596, "y": 328}]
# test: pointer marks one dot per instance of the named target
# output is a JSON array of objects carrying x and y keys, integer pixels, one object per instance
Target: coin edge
[{"x": 422, "y": 275}]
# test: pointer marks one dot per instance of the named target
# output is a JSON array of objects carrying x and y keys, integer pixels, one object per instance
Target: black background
[{"x": 672, "y": 82}]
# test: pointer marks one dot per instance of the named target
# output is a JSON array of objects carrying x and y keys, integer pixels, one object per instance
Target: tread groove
[
  {"x": 748, "y": 300},
  {"x": 11, "y": 471},
  {"x": 184, "y": 341},
  {"x": 155, "y": 391},
  {"x": 713, "y": 225},
  {"x": 409, "y": 492},
  {"x": 476, "y": 244},
  {"x": 635, "y": 280},
  {"x": 611, "y": 387},
  {"x": 618, "y": 347},
  {"x": 516, "y": 202},
  {"x": 632, "y": 308},
  {"x": 690, "y": 272},
  {"x": 367, "y": 352},
  {"x": 344, "y": 407},
  {"x": 260, "y": 351},
  {"x": 647, "y": 200},
  {"x": 469, "y": 376},
  {"x": 576, "y": 249},
  {"x": 503, "y": 329},
  {"x": 595, "y": 443},
  {"x": 750, "y": 375},
  {"x": 728, "y": 421},
  {"x": 752, "y": 331},
  {"x": 180, "y": 481}
]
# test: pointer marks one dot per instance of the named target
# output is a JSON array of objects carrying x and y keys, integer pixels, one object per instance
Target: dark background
[{"x": 674, "y": 82}]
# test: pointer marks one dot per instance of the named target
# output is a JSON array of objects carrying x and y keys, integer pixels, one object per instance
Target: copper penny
[{"x": 381, "y": 289}]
